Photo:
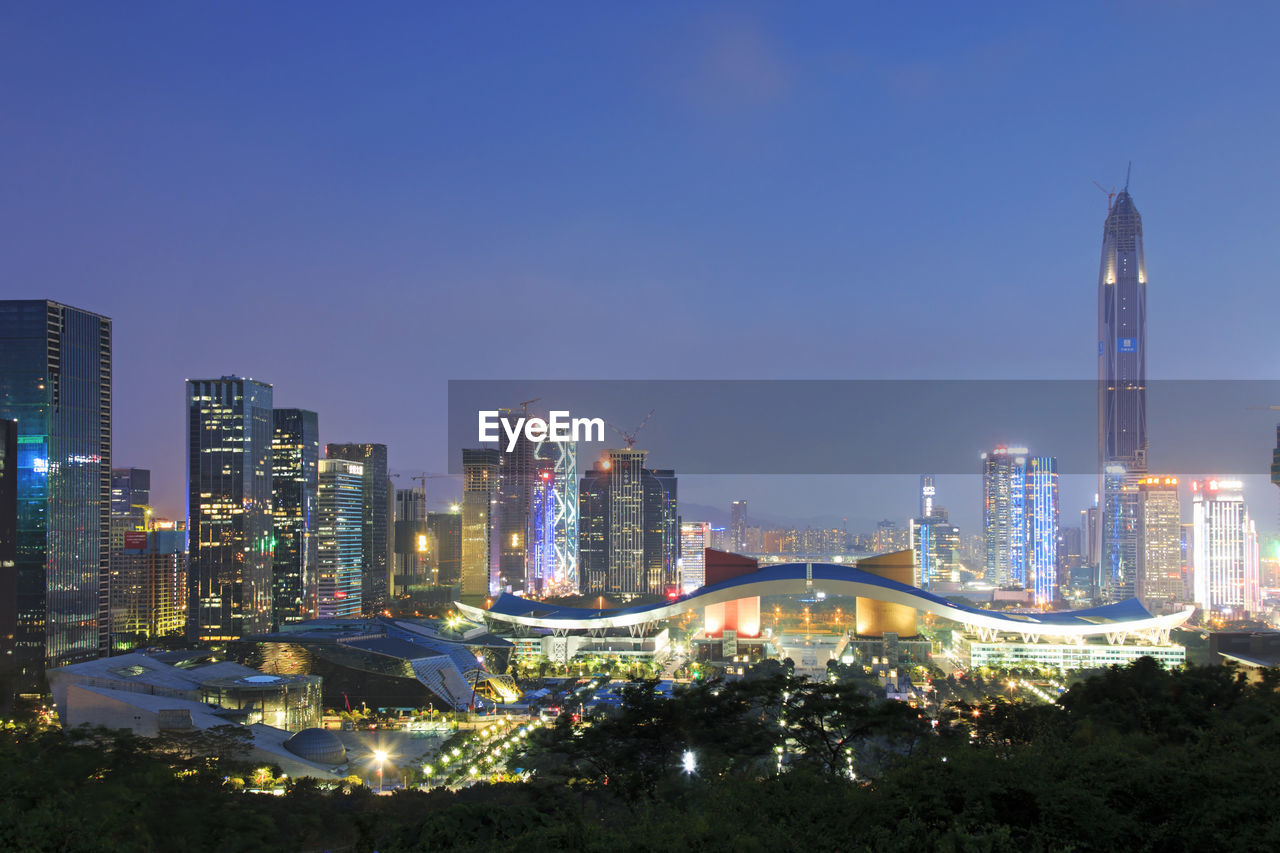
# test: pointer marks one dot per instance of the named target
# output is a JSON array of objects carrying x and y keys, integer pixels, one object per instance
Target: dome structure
[{"x": 317, "y": 745}]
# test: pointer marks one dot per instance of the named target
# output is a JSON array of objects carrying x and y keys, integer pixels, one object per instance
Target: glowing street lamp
[{"x": 380, "y": 755}]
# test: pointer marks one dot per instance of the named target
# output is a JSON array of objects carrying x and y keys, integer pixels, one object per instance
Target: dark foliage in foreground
[{"x": 1136, "y": 759}]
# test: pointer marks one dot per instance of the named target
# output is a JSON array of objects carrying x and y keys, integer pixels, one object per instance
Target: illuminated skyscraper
[
  {"x": 935, "y": 541},
  {"x": 149, "y": 584},
  {"x": 446, "y": 535},
  {"x": 695, "y": 538},
  {"x": 295, "y": 457},
  {"x": 229, "y": 428},
  {"x": 55, "y": 382},
  {"x": 1225, "y": 549},
  {"x": 515, "y": 487},
  {"x": 130, "y": 502},
  {"x": 379, "y": 511},
  {"x": 340, "y": 516},
  {"x": 1004, "y": 483},
  {"x": 9, "y": 663},
  {"x": 540, "y": 571},
  {"x": 927, "y": 493},
  {"x": 1122, "y": 392},
  {"x": 627, "y": 526},
  {"x": 561, "y": 459},
  {"x": 1043, "y": 575},
  {"x": 1158, "y": 583},
  {"x": 479, "y": 507}
]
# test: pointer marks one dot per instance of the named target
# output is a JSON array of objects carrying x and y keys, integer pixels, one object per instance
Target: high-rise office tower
[
  {"x": 540, "y": 536},
  {"x": 593, "y": 529},
  {"x": 695, "y": 539},
  {"x": 229, "y": 526},
  {"x": 515, "y": 487},
  {"x": 1122, "y": 392},
  {"x": 479, "y": 569},
  {"x": 935, "y": 540},
  {"x": 446, "y": 535},
  {"x": 340, "y": 527},
  {"x": 1225, "y": 549},
  {"x": 8, "y": 561},
  {"x": 1043, "y": 574},
  {"x": 738, "y": 525},
  {"x": 628, "y": 527},
  {"x": 375, "y": 541},
  {"x": 627, "y": 567},
  {"x": 562, "y": 459},
  {"x": 1004, "y": 483},
  {"x": 662, "y": 531},
  {"x": 55, "y": 381},
  {"x": 295, "y": 483},
  {"x": 130, "y": 522},
  {"x": 149, "y": 584},
  {"x": 130, "y": 503},
  {"x": 927, "y": 493},
  {"x": 1275, "y": 460},
  {"x": 414, "y": 556},
  {"x": 1158, "y": 581}
]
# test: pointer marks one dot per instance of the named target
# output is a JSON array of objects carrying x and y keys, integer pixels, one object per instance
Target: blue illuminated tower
[
  {"x": 55, "y": 382},
  {"x": 1004, "y": 477},
  {"x": 1042, "y": 528},
  {"x": 1122, "y": 392}
]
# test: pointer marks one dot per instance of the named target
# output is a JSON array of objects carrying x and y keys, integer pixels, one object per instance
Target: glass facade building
[
  {"x": 55, "y": 382},
  {"x": 1122, "y": 392},
  {"x": 378, "y": 527},
  {"x": 295, "y": 456},
  {"x": 341, "y": 523},
  {"x": 1159, "y": 584},
  {"x": 1004, "y": 478},
  {"x": 1043, "y": 571},
  {"x": 149, "y": 584},
  {"x": 479, "y": 569},
  {"x": 1225, "y": 549},
  {"x": 229, "y": 526}
]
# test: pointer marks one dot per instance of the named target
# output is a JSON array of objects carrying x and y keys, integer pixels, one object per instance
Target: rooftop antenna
[{"x": 1127, "y": 172}]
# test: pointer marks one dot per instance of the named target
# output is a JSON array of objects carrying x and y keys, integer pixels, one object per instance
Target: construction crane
[
  {"x": 1111, "y": 193},
  {"x": 630, "y": 437}
]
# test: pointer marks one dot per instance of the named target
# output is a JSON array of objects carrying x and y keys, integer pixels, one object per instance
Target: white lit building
[
  {"x": 695, "y": 538},
  {"x": 1224, "y": 548}
]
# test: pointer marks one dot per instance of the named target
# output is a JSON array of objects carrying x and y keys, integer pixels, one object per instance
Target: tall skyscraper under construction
[{"x": 1122, "y": 393}]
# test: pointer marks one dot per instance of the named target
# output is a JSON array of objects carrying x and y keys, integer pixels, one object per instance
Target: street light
[{"x": 380, "y": 755}]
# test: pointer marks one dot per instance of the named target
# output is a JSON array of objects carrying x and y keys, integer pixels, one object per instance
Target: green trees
[{"x": 1131, "y": 759}]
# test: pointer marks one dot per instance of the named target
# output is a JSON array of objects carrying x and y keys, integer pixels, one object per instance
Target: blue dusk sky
[{"x": 360, "y": 202}]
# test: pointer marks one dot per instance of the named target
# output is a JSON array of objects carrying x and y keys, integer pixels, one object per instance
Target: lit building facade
[
  {"x": 935, "y": 541},
  {"x": 375, "y": 539},
  {"x": 295, "y": 483},
  {"x": 8, "y": 560},
  {"x": 1043, "y": 574},
  {"x": 229, "y": 505},
  {"x": 695, "y": 539},
  {"x": 1225, "y": 548},
  {"x": 515, "y": 488},
  {"x": 561, "y": 459},
  {"x": 1159, "y": 584},
  {"x": 130, "y": 503},
  {"x": 540, "y": 573},
  {"x": 446, "y": 534},
  {"x": 55, "y": 382},
  {"x": 340, "y": 545},
  {"x": 628, "y": 526},
  {"x": 593, "y": 528},
  {"x": 149, "y": 584},
  {"x": 479, "y": 570},
  {"x": 1122, "y": 392},
  {"x": 1004, "y": 486}
]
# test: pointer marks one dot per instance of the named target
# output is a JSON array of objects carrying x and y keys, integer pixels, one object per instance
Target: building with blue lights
[
  {"x": 340, "y": 514},
  {"x": 1004, "y": 484},
  {"x": 55, "y": 382},
  {"x": 1042, "y": 528}
]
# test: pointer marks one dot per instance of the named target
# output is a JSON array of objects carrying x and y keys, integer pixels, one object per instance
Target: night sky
[{"x": 360, "y": 203}]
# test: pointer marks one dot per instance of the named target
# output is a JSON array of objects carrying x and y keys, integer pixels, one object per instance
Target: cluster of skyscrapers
[{"x": 530, "y": 523}]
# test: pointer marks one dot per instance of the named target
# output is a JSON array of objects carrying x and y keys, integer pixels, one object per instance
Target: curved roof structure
[{"x": 1123, "y": 617}]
